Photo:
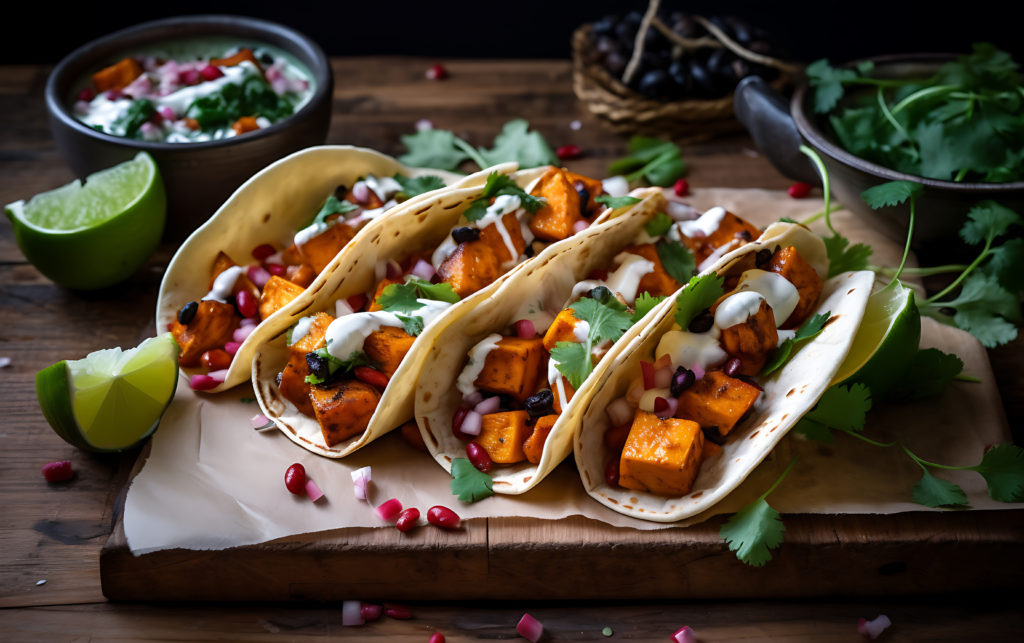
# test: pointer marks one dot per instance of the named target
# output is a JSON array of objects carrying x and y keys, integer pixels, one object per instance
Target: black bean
[
  {"x": 762, "y": 257},
  {"x": 682, "y": 379},
  {"x": 188, "y": 312},
  {"x": 266, "y": 58},
  {"x": 702, "y": 322},
  {"x": 340, "y": 192},
  {"x": 540, "y": 404},
  {"x": 584, "y": 197},
  {"x": 743, "y": 234},
  {"x": 318, "y": 366},
  {"x": 601, "y": 294},
  {"x": 466, "y": 234},
  {"x": 712, "y": 434},
  {"x": 529, "y": 251},
  {"x": 732, "y": 366}
]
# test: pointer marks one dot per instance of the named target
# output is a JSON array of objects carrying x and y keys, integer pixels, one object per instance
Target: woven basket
[{"x": 627, "y": 112}]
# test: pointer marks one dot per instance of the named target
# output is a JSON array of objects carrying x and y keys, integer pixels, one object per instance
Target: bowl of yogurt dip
[{"x": 214, "y": 99}]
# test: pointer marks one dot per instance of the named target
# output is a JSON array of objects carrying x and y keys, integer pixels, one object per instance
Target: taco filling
[
  {"x": 210, "y": 331},
  {"x": 339, "y": 365},
  {"x": 516, "y": 383}
]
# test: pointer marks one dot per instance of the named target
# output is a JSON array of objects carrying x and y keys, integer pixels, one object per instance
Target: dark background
[{"x": 44, "y": 32}]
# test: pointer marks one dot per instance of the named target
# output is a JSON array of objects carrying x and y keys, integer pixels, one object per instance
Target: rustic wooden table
[{"x": 52, "y": 534}]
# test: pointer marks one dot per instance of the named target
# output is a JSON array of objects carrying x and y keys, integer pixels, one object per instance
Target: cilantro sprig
[
  {"x": 402, "y": 298},
  {"x": 659, "y": 224},
  {"x": 607, "y": 320},
  {"x": 616, "y": 202},
  {"x": 659, "y": 162},
  {"x": 497, "y": 185},
  {"x": 444, "y": 150},
  {"x": 676, "y": 259},
  {"x": 756, "y": 529},
  {"x": 470, "y": 484},
  {"x": 698, "y": 294},
  {"x": 810, "y": 329},
  {"x": 335, "y": 365},
  {"x": 333, "y": 205},
  {"x": 416, "y": 185}
]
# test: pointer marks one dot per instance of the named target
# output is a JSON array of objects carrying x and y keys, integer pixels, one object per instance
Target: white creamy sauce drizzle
[
  {"x": 346, "y": 334},
  {"x": 690, "y": 349},
  {"x": 306, "y": 234},
  {"x": 224, "y": 284},
  {"x": 580, "y": 330},
  {"x": 616, "y": 186},
  {"x": 300, "y": 330},
  {"x": 475, "y": 364},
  {"x": 534, "y": 312},
  {"x": 784, "y": 335},
  {"x": 503, "y": 204},
  {"x": 715, "y": 255},
  {"x": 555, "y": 380},
  {"x": 626, "y": 278},
  {"x": 736, "y": 308},
  {"x": 384, "y": 187},
  {"x": 704, "y": 226},
  {"x": 778, "y": 291}
]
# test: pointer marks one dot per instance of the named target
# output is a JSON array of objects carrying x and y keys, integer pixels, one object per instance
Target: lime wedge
[
  {"x": 93, "y": 235},
  {"x": 112, "y": 399},
  {"x": 886, "y": 341}
]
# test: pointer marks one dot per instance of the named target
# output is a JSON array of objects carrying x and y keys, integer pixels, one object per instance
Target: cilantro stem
[
  {"x": 963, "y": 275},
  {"x": 921, "y": 94},
  {"x": 906, "y": 248},
  {"x": 814, "y": 217},
  {"x": 920, "y": 272},
  {"x": 963, "y": 377},
  {"x": 882, "y": 107},
  {"x": 960, "y": 175},
  {"x": 471, "y": 151},
  {"x": 884, "y": 82},
  {"x": 884, "y": 445},
  {"x": 820, "y": 165},
  {"x": 923, "y": 463},
  {"x": 782, "y": 477}
]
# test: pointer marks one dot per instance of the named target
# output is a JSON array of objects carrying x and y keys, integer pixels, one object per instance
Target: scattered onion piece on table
[
  {"x": 874, "y": 628},
  {"x": 351, "y": 613},
  {"x": 360, "y": 479},
  {"x": 313, "y": 491},
  {"x": 389, "y": 509},
  {"x": 684, "y": 635},
  {"x": 530, "y": 628}
]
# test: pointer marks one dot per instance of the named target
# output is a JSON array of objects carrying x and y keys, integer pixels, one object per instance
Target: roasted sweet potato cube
[
  {"x": 277, "y": 293},
  {"x": 658, "y": 282},
  {"x": 212, "y": 327},
  {"x": 314, "y": 335},
  {"x": 221, "y": 263},
  {"x": 471, "y": 267},
  {"x": 717, "y": 400},
  {"x": 513, "y": 367},
  {"x": 752, "y": 340},
  {"x": 732, "y": 231},
  {"x": 533, "y": 447},
  {"x": 387, "y": 347},
  {"x": 502, "y": 436},
  {"x": 117, "y": 76},
  {"x": 300, "y": 275},
  {"x": 563, "y": 329},
  {"x": 321, "y": 249},
  {"x": 493, "y": 237},
  {"x": 557, "y": 219},
  {"x": 661, "y": 456},
  {"x": 562, "y": 393},
  {"x": 293, "y": 384},
  {"x": 241, "y": 55},
  {"x": 373, "y": 201},
  {"x": 384, "y": 283},
  {"x": 788, "y": 263},
  {"x": 290, "y": 255},
  {"x": 245, "y": 124},
  {"x": 710, "y": 450},
  {"x": 343, "y": 408},
  {"x": 411, "y": 433},
  {"x": 594, "y": 189}
]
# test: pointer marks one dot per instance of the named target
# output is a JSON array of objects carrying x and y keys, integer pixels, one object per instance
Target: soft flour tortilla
[
  {"x": 788, "y": 393},
  {"x": 268, "y": 208},
  {"x": 549, "y": 278},
  {"x": 421, "y": 228}
]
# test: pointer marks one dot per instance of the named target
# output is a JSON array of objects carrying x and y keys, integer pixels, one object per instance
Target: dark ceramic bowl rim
[
  {"x": 821, "y": 142},
  {"x": 55, "y": 103}
]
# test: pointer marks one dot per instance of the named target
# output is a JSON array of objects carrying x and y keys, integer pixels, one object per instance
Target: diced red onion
[
  {"x": 361, "y": 192},
  {"x": 580, "y": 226},
  {"x": 258, "y": 275},
  {"x": 220, "y": 375},
  {"x": 472, "y": 423},
  {"x": 389, "y": 509},
  {"x": 663, "y": 377},
  {"x": 647, "y": 370},
  {"x": 525, "y": 329},
  {"x": 313, "y": 491},
  {"x": 360, "y": 480},
  {"x": 352, "y": 613},
  {"x": 380, "y": 270},
  {"x": 874, "y": 628},
  {"x": 619, "y": 412},
  {"x": 275, "y": 268},
  {"x": 202, "y": 382},
  {"x": 424, "y": 124},
  {"x": 473, "y": 399},
  {"x": 232, "y": 347},
  {"x": 490, "y": 405},
  {"x": 259, "y": 421},
  {"x": 250, "y": 321},
  {"x": 530, "y": 628},
  {"x": 167, "y": 112},
  {"x": 684, "y": 635},
  {"x": 698, "y": 372},
  {"x": 242, "y": 332},
  {"x": 669, "y": 410},
  {"x": 423, "y": 270}
]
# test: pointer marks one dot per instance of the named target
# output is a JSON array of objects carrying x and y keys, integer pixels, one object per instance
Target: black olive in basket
[
  {"x": 679, "y": 70},
  {"x": 656, "y": 83}
]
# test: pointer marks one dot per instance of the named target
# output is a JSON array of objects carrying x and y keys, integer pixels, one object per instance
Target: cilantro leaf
[
  {"x": 644, "y": 304},
  {"x": 787, "y": 220},
  {"x": 698, "y": 294},
  {"x": 517, "y": 143},
  {"x": 470, "y": 484},
  {"x": 659, "y": 224},
  {"x": 416, "y": 185},
  {"x": 927, "y": 375},
  {"x": 659, "y": 162},
  {"x": 936, "y": 492},
  {"x": 842, "y": 257},
  {"x": 1003, "y": 470},
  {"x": 813, "y": 430},
  {"x": 333, "y": 205},
  {"x": 986, "y": 221},
  {"x": 676, "y": 259},
  {"x": 572, "y": 359},
  {"x": 434, "y": 148},
  {"x": 841, "y": 407},
  {"x": 828, "y": 84},
  {"x": 399, "y": 298},
  {"x": 335, "y": 365},
  {"x": 1006, "y": 264},
  {"x": 753, "y": 532},
  {"x": 498, "y": 184},
  {"x": 891, "y": 193},
  {"x": 606, "y": 321},
  {"x": 983, "y": 309},
  {"x": 616, "y": 202},
  {"x": 811, "y": 328},
  {"x": 441, "y": 291},
  {"x": 412, "y": 325}
]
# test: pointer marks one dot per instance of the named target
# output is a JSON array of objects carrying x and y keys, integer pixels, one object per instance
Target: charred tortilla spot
[
  {"x": 791, "y": 391},
  {"x": 696, "y": 495},
  {"x": 266, "y": 217},
  {"x": 850, "y": 291},
  {"x": 830, "y": 320},
  {"x": 527, "y": 479},
  {"x": 753, "y": 435},
  {"x": 427, "y": 396}
]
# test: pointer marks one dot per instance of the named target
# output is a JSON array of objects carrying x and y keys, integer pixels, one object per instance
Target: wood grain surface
[{"x": 55, "y": 532}]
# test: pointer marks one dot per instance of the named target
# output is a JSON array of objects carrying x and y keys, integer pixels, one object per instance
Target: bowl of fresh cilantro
[{"x": 954, "y": 124}]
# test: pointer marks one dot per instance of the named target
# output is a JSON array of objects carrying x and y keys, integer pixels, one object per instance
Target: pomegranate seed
[
  {"x": 263, "y": 251},
  {"x": 460, "y": 415},
  {"x": 58, "y": 471},
  {"x": 611, "y": 472},
  {"x": 389, "y": 509},
  {"x": 436, "y": 637},
  {"x": 615, "y": 437},
  {"x": 114, "y": 94},
  {"x": 732, "y": 367},
  {"x": 215, "y": 360},
  {"x": 210, "y": 72},
  {"x": 437, "y": 72},
  {"x": 660, "y": 404},
  {"x": 203, "y": 383},
  {"x": 189, "y": 77},
  {"x": 394, "y": 610},
  {"x": 370, "y": 612},
  {"x": 246, "y": 303},
  {"x": 356, "y": 302},
  {"x": 443, "y": 517},
  {"x": 479, "y": 457},
  {"x": 295, "y": 479},
  {"x": 568, "y": 152},
  {"x": 525, "y": 329},
  {"x": 647, "y": 368},
  {"x": 371, "y": 376},
  {"x": 681, "y": 188},
  {"x": 232, "y": 347},
  {"x": 275, "y": 269},
  {"x": 87, "y": 94},
  {"x": 799, "y": 190},
  {"x": 407, "y": 519}
]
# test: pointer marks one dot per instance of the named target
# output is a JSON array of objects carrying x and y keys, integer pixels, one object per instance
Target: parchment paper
[{"x": 212, "y": 482}]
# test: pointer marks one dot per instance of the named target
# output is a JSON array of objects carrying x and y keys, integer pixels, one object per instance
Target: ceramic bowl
[
  {"x": 198, "y": 176},
  {"x": 779, "y": 129}
]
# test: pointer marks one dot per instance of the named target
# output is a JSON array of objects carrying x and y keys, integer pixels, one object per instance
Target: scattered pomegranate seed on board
[
  {"x": 799, "y": 190},
  {"x": 568, "y": 152},
  {"x": 58, "y": 471},
  {"x": 443, "y": 517},
  {"x": 295, "y": 479},
  {"x": 437, "y": 72},
  {"x": 407, "y": 519},
  {"x": 681, "y": 188}
]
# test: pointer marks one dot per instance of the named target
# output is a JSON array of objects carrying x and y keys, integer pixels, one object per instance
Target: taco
[
  {"x": 507, "y": 384},
  {"x": 685, "y": 415},
  {"x": 344, "y": 374},
  {"x": 246, "y": 272}
]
